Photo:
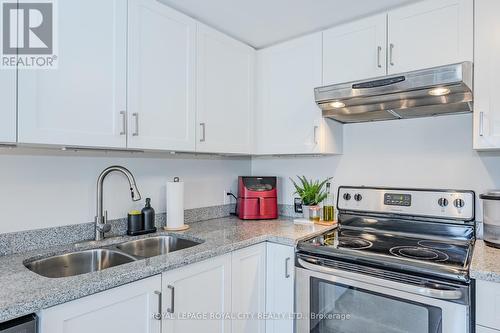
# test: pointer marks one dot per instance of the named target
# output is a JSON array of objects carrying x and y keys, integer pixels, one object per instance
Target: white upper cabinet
[
  {"x": 126, "y": 309},
  {"x": 225, "y": 93},
  {"x": 355, "y": 51},
  {"x": 8, "y": 106},
  {"x": 429, "y": 34},
  {"x": 83, "y": 101},
  {"x": 161, "y": 77},
  {"x": 288, "y": 121},
  {"x": 487, "y": 75}
]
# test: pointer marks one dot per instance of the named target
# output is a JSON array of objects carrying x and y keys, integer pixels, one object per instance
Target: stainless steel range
[{"x": 398, "y": 262}]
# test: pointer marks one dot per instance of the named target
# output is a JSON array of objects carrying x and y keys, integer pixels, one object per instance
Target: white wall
[
  {"x": 46, "y": 191},
  {"x": 39, "y": 191},
  {"x": 428, "y": 153}
]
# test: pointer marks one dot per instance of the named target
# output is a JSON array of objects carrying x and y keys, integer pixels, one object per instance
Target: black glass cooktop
[{"x": 387, "y": 249}]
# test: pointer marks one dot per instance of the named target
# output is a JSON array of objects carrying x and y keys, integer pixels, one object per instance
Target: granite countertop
[
  {"x": 485, "y": 263},
  {"x": 23, "y": 292}
]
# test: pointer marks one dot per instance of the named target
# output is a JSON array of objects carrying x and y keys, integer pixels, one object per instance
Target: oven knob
[
  {"x": 358, "y": 197},
  {"x": 347, "y": 196},
  {"x": 459, "y": 203},
  {"x": 443, "y": 202}
]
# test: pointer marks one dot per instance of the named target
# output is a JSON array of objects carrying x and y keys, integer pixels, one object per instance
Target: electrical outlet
[
  {"x": 227, "y": 198},
  {"x": 298, "y": 205}
]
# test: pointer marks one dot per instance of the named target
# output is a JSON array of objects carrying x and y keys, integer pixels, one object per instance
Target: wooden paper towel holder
[{"x": 181, "y": 228}]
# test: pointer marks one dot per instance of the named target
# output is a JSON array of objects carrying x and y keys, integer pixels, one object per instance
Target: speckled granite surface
[
  {"x": 485, "y": 263},
  {"x": 23, "y": 291},
  {"x": 24, "y": 241}
]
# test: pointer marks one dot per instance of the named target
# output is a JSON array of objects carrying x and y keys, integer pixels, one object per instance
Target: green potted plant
[{"x": 312, "y": 194}]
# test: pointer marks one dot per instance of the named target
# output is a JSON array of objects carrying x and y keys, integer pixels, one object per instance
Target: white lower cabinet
[
  {"x": 125, "y": 309},
  {"x": 488, "y": 304},
  {"x": 280, "y": 287},
  {"x": 197, "y": 290},
  {"x": 249, "y": 289},
  {"x": 227, "y": 294}
]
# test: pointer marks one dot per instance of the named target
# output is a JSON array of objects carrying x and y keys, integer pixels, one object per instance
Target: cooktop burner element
[
  {"x": 421, "y": 253},
  {"x": 354, "y": 243},
  {"x": 435, "y": 245}
]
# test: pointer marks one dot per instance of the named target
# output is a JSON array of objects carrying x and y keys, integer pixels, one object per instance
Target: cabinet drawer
[{"x": 488, "y": 304}]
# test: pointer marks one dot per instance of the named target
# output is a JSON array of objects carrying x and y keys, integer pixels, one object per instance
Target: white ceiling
[{"x": 264, "y": 22}]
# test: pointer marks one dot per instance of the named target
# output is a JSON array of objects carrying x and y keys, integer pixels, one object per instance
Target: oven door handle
[{"x": 443, "y": 294}]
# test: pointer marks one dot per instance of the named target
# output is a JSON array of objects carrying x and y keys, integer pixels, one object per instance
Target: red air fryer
[{"x": 257, "y": 198}]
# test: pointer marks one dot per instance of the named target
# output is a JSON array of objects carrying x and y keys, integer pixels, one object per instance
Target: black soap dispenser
[{"x": 148, "y": 216}]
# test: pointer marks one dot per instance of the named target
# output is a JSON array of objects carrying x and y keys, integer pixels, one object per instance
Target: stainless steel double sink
[{"x": 87, "y": 261}]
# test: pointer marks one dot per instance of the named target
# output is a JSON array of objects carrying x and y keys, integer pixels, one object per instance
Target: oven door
[{"x": 329, "y": 300}]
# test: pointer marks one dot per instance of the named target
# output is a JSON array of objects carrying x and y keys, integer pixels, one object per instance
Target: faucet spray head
[{"x": 136, "y": 195}]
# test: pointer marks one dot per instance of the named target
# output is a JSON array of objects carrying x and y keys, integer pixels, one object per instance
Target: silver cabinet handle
[
  {"x": 203, "y": 127},
  {"x": 391, "y": 54},
  {"x": 158, "y": 315},
  {"x": 287, "y": 266},
  {"x": 171, "y": 309},
  {"x": 446, "y": 294},
  {"x": 136, "y": 116},
  {"x": 481, "y": 123},
  {"x": 124, "y": 122},
  {"x": 315, "y": 135},
  {"x": 379, "y": 51}
]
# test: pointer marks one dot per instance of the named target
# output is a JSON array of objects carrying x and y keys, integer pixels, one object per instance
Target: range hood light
[
  {"x": 441, "y": 91},
  {"x": 337, "y": 105}
]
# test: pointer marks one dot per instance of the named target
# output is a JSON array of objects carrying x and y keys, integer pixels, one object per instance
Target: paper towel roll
[{"x": 175, "y": 204}]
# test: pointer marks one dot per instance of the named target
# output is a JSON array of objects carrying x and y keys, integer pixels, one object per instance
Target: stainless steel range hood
[{"x": 423, "y": 93}]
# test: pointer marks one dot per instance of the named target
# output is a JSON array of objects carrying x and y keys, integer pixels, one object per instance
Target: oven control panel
[
  {"x": 441, "y": 204},
  {"x": 397, "y": 199}
]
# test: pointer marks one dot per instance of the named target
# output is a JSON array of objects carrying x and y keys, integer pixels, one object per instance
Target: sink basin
[
  {"x": 155, "y": 246},
  {"x": 77, "y": 263}
]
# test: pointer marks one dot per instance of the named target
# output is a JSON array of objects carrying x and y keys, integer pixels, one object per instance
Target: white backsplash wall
[
  {"x": 425, "y": 153},
  {"x": 47, "y": 191}
]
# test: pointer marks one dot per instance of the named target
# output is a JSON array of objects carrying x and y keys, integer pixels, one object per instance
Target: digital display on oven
[{"x": 397, "y": 199}]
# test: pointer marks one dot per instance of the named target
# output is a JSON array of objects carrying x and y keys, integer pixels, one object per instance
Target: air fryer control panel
[{"x": 441, "y": 204}]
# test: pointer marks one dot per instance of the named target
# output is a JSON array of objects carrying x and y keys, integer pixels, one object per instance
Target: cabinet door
[
  {"x": 83, "y": 101},
  {"x": 487, "y": 75},
  {"x": 288, "y": 119},
  {"x": 161, "y": 77},
  {"x": 430, "y": 33},
  {"x": 198, "y": 289},
  {"x": 125, "y": 309},
  {"x": 355, "y": 51},
  {"x": 280, "y": 286},
  {"x": 225, "y": 93},
  {"x": 8, "y": 106},
  {"x": 488, "y": 304},
  {"x": 249, "y": 288}
]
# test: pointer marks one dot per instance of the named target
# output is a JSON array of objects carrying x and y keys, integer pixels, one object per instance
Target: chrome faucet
[{"x": 101, "y": 219}]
